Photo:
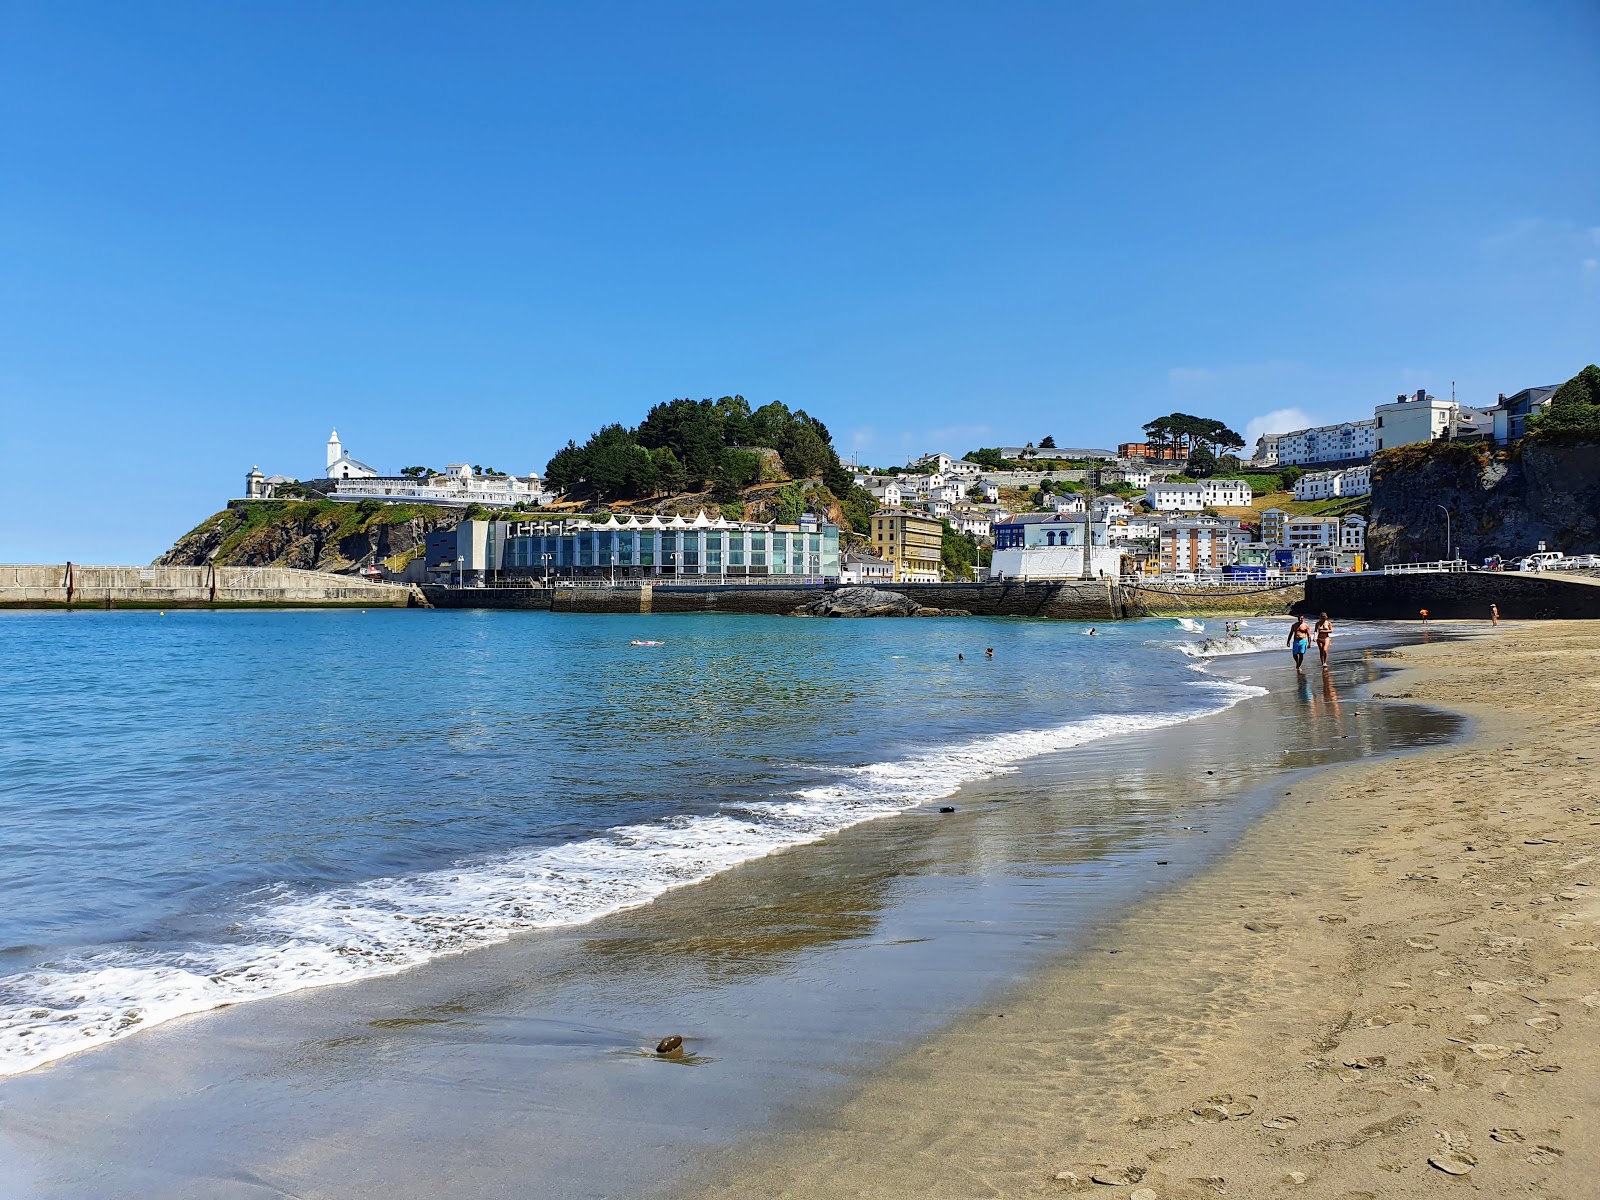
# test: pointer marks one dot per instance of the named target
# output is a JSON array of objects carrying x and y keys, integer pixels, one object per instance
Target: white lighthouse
[{"x": 335, "y": 451}]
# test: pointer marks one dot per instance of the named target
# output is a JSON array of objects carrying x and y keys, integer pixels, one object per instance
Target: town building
[
  {"x": 1050, "y": 546},
  {"x": 1511, "y": 414},
  {"x": 1195, "y": 494},
  {"x": 1347, "y": 441},
  {"x": 1067, "y": 502},
  {"x": 859, "y": 567},
  {"x": 944, "y": 465},
  {"x": 1273, "y": 522},
  {"x": 913, "y": 543},
  {"x": 970, "y": 520},
  {"x": 1138, "y": 477},
  {"x": 701, "y": 550},
  {"x": 1151, "y": 452},
  {"x": 1311, "y": 533},
  {"x": 1353, "y": 534},
  {"x": 1329, "y": 485},
  {"x": 1195, "y": 546},
  {"x": 1412, "y": 419}
]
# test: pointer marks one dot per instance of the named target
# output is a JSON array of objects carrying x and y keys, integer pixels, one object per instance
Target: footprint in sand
[
  {"x": 1509, "y": 1136},
  {"x": 1543, "y": 1156}
]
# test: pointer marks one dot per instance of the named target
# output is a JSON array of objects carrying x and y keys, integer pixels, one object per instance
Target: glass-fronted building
[{"x": 699, "y": 550}]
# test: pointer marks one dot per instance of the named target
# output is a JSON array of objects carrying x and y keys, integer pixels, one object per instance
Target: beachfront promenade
[{"x": 71, "y": 585}]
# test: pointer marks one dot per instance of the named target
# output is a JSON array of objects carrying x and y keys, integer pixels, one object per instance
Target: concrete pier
[{"x": 71, "y": 585}]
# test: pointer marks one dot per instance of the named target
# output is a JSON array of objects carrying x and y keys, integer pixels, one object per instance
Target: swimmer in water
[{"x": 989, "y": 653}]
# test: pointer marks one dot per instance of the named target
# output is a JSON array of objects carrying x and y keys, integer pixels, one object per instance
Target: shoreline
[
  {"x": 1388, "y": 985},
  {"x": 538, "y": 1047}
]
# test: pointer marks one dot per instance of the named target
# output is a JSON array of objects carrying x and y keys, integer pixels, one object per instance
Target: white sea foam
[
  {"x": 1234, "y": 643},
  {"x": 1191, "y": 625},
  {"x": 387, "y": 925}
]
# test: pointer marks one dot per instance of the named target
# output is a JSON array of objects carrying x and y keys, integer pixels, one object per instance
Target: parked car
[{"x": 1543, "y": 561}]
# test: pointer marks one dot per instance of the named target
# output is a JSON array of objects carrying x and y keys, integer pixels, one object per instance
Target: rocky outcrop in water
[
  {"x": 870, "y": 602},
  {"x": 1500, "y": 502}
]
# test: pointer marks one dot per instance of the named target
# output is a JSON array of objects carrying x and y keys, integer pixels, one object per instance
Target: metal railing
[{"x": 1443, "y": 566}]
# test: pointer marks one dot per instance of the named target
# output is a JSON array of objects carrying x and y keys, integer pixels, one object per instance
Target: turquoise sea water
[{"x": 207, "y": 808}]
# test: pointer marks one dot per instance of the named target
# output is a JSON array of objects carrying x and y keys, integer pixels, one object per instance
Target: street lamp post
[
  {"x": 461, "y": 571},
  {"x": 1448, "y": 556}
]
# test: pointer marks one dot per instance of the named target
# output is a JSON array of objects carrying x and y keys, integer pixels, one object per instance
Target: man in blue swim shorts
[{"x": 1299, "y": 642}]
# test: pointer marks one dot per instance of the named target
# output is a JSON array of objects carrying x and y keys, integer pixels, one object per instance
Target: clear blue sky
[{"x": 472, "y": 231}]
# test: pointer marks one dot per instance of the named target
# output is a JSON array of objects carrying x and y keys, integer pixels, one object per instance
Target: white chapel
[{"x": 342, "y": 466}]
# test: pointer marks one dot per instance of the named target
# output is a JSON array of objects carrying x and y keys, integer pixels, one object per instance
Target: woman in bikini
[{"x": 1324, "y": 636}]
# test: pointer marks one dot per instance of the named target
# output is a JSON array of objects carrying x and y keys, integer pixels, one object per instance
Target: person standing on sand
[
  {"x": 1494, "y": 614},
  {"x": 1324, "y": 636},
  {"x": 1299, "y": 641}
]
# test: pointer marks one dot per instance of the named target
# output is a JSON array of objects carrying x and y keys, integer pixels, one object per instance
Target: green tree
[
  {"x": 1047, "y": 442},
  {"x": 1574, "y": 412},
  {"x": 1288, "y": 477},
  {"x": 1202, "y": 462},
  {"x": 789, "y": 502},
  {"x": 804, "y": 451},
  {"x": 736, "y": 469},
  {"x": 669, "y": 472},
  {"x": 416, "y": 472},
  {"x": 958, "y": 553}
]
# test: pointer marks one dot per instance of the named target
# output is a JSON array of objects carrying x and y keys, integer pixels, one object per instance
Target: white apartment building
[
  {"x": 1312, "y": 533},
  {"x": 1194, "y": 495},
  {"x": 989, "y": 491},
  {"x": 1327, "y": 485},
  {"x": 1353, "y": 534},
  {"x": 934, "y": 506},
  {"x": 1348, "y": 441},
  {"x": 1071, "y": 502},
  {"x": 1411, "y": 419}
]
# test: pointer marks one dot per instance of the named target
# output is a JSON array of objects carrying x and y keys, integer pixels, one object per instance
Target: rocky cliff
[
  {"x": 1500, "y": 501},
  {"x": 315, "y": 535}
]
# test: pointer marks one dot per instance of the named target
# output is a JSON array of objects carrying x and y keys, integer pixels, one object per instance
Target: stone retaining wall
[{"x": 1179, "y": 600}]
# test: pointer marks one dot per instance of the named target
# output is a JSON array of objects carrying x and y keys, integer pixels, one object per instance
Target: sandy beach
[{"x": 1390, "y": 987}]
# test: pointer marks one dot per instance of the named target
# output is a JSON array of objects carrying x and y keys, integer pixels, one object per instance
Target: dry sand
[{"x": 1390, "y": 988}]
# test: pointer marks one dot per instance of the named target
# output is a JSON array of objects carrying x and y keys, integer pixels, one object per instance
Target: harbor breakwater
[
  {"x": 71, "y": 585},
  {"x": 1454, "y": 595},
  {"x": 1067, "y": 600}
]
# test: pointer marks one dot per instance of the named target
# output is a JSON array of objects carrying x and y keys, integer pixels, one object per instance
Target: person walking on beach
[
  {"x": 1299, "y": 641},
  {"x": 1324, "y": 636},
  {"x": 1494, "y": 614}
]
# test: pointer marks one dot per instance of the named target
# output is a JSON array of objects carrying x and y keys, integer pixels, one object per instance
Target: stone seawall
[
  {"x": 69, "y": 585},
  {"x": 1070, "y": 600},
  {"x": 1520, "y": 595},
  {"x": 1177, "y": 600}
]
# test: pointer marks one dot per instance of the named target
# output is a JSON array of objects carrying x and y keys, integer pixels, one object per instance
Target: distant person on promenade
[
  {"x": 1494, "y": 614},
  {"x": 1324, "y": 636},
  {"x": 1299, "y": 641}
]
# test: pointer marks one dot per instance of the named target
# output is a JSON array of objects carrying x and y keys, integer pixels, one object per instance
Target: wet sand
[
  {"x": 1390, "y": 987},
  {"x": 798, "y": 981}
]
